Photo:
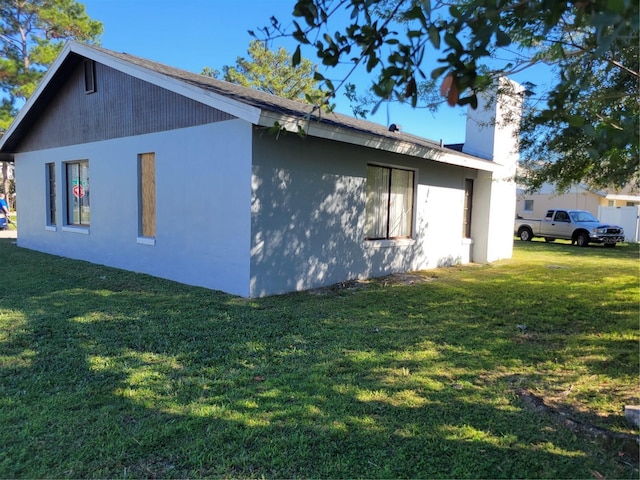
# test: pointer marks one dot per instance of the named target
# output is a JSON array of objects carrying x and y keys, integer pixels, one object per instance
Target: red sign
[{"x": 78, "y": 191}]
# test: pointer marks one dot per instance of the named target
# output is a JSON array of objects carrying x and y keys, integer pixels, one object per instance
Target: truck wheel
[
  {"x": 582, "y": 240},
  {"x": 549, "y": 239},
  {"x": 525, "y": 235}
]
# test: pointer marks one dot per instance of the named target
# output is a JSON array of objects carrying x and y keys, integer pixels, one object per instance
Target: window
[
  {"x": 51, "y": 193},
  {"x": 610, "y": 203},
  {"x": 389, "y": 207},
  {"x": 528, "y": 205},
  {"x": 89, "y": 76},
  {"x": 468, "y": 198},
  {"x": 147, "y": 194},
  {"x": 78, "y": 208}
]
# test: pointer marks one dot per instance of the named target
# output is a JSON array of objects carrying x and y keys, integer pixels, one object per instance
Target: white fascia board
[
  {"x": 624, "y": 198},
  {"x": 232, "y": 107},
  {"x": 345, "y": 135}
]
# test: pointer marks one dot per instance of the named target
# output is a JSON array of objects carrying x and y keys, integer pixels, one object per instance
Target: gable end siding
[{"x": 121, "y": 106}]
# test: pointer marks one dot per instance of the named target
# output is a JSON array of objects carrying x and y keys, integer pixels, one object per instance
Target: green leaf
[
  {"x": 377, "y": 106},
  {"x": 451, "y": 40},
  {"x": 295, "y": 59},
  {"x": 471, "y": 100},
  {"x": 372, "y": 62},
  {"x": 502, "y": 39},
  {"x": 576, "y": 120},
  {"x": 438, "y": 72},
  {"x": 434, "y": 36},
  {"x": 426, "y": 6}
]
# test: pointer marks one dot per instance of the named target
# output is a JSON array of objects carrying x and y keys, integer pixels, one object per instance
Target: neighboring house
[
  {"x": 621, "y": 208},
  {"x": 579, "y": 197},
  {"x": 133, "y": 164}
]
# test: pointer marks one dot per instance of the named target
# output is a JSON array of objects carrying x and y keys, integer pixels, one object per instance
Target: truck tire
[
  {"x": 525, "y": 234},
  {"x": 582, "y": 239},
  {"x": 549, "y": 239}
]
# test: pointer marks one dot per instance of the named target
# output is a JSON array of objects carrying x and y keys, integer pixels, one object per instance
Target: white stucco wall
[
  {"x": 203, "y": 205},
  {"x": 308, "y": 215},
  {"x": 491, "y": 133}
]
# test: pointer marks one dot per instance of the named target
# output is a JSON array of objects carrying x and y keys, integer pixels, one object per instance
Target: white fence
[{"x": 627, "y": 217}]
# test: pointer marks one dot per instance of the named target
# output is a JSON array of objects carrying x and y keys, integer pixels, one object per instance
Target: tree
[
  {"x": 273, "y": 72},
  {"x": 587, "y": 130},
  {"x": 32, "y": 33},
  {"x": 590, "y": 45}
]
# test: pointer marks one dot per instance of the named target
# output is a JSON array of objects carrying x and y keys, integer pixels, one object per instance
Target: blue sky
[{"x": 192, "y": 34}]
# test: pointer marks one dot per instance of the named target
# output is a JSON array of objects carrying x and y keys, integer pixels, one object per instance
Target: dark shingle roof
[
  {"x": 269, "y": 102},
  {"x": 264, "y": 102}
]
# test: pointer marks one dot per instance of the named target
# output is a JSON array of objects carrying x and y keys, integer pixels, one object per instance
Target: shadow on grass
[{"x": 107, "y": 373}]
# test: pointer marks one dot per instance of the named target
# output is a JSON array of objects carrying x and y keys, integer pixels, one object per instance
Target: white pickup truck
[{"x": 578, "y": 226}]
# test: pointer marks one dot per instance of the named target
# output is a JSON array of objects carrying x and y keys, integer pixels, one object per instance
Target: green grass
[{"x": 106, "y": 373}]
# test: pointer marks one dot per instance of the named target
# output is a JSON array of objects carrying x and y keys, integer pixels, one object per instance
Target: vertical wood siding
[{"x": 121, "y": 106}]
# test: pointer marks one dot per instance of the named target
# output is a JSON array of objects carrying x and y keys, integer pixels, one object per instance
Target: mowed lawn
[{"x": 111, "y": 374}]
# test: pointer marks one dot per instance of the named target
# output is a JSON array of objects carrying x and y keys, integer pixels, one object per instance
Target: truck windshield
[{"x": 582, "y": 217}]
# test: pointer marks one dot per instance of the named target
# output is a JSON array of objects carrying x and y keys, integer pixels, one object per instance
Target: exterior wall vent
[{"x": 89, "y": 76}]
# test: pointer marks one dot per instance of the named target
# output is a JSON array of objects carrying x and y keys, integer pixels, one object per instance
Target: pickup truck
[{"x": 578, "y": 226}]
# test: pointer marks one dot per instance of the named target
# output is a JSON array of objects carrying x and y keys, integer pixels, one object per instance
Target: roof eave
[
  {"x": 623, "y": 198},
  {"x": 233, "y": 107},
  {"x": 319, "y": 129}
]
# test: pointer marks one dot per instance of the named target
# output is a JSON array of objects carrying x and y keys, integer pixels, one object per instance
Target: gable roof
[{"x": 256, "y": 107}]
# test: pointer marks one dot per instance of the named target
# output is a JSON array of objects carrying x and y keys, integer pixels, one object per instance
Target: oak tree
[{"x": 583, "y": 128}]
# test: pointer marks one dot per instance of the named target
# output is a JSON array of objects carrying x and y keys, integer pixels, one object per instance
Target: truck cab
[{"x": 557, "y": 224}]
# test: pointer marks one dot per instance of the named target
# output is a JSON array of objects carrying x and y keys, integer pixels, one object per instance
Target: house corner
[{"x": 492, "y": 133}]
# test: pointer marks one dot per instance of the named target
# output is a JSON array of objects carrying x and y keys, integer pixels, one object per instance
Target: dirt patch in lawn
[{"x": 411, "y": 278}]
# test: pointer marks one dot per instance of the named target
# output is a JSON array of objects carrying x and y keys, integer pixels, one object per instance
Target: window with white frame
[
  {"x": 389, "y": 203},
  {"x": 77, "y": 193},
  {"x": 528, "y": 205}
]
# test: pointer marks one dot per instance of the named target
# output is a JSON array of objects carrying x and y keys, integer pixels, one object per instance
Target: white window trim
[
  {"x": 389, "y": 243},
  {"x": 524, "y": 206},
  {"x": 72, "y": 229},
  {"x": 146, "y": 241}
]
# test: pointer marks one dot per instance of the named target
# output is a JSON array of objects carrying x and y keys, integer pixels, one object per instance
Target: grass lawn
[{"x": 106, "y": 373}]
